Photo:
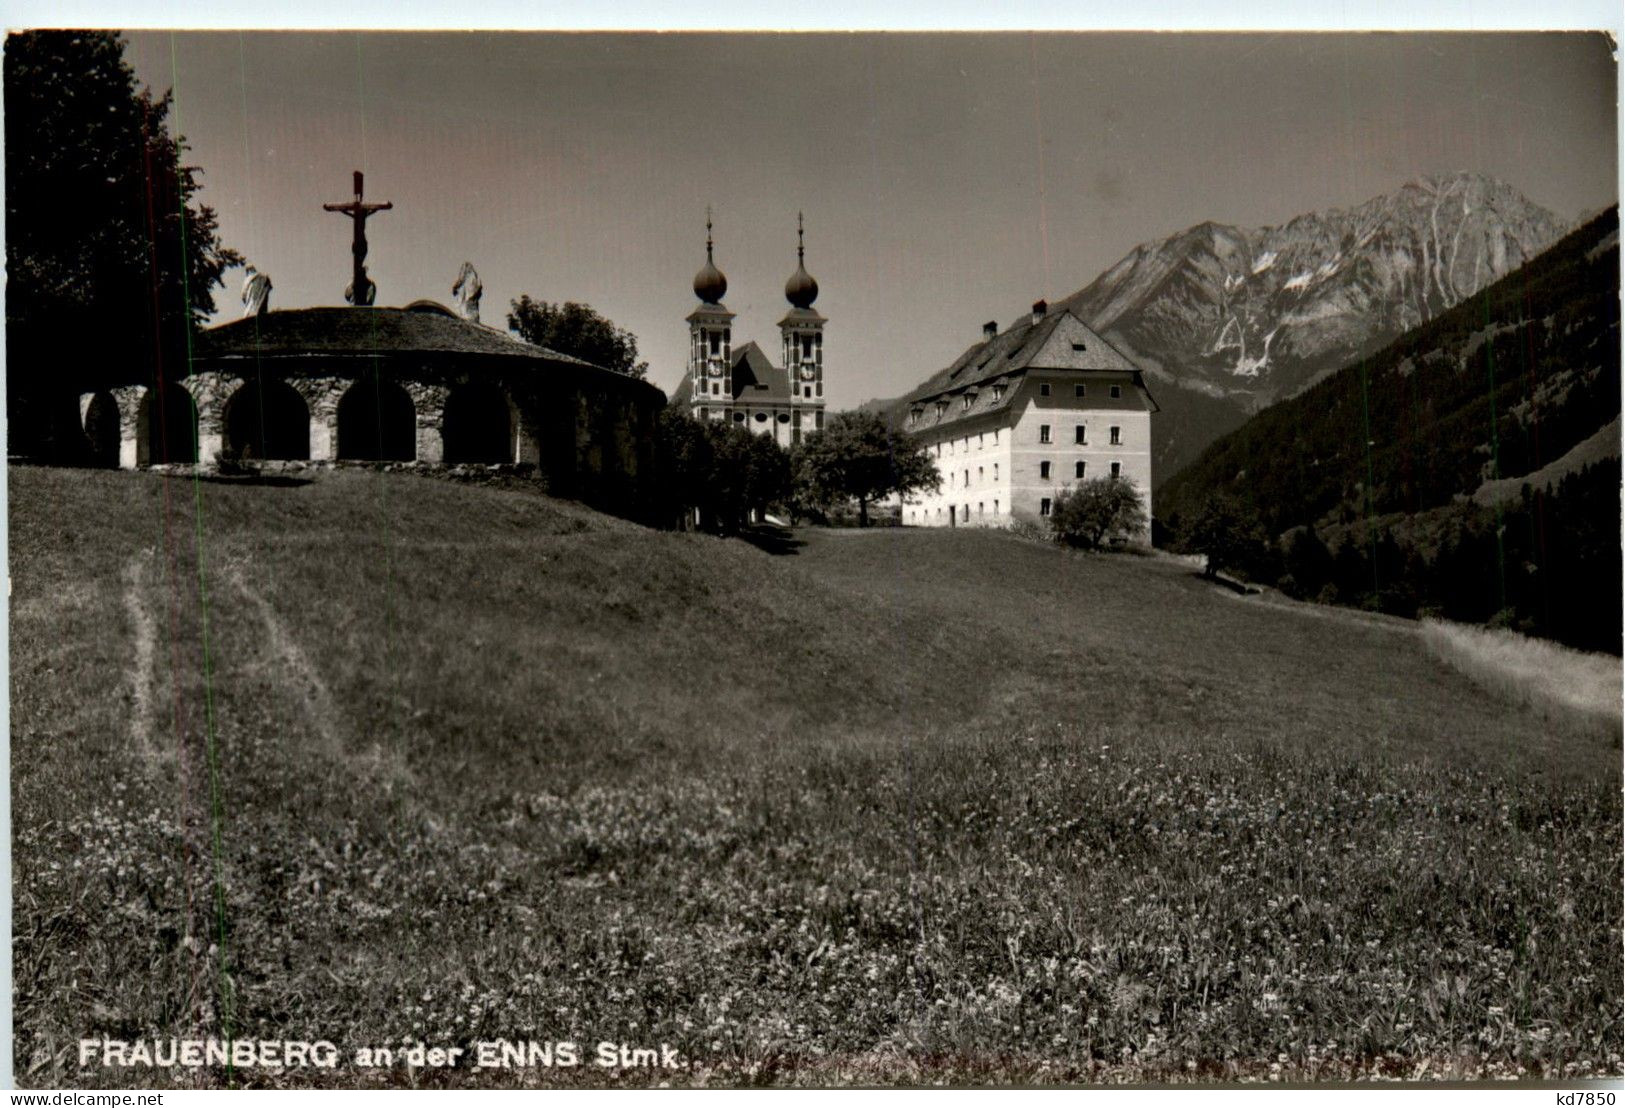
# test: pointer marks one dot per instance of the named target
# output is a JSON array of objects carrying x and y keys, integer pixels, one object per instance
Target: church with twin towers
[{"x": 741, "y": 384}]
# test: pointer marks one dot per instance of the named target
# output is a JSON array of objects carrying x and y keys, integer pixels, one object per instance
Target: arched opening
[
  {"x": 267, "y": 419},
  {"x": 102, "y": 430},
  {"x": 377, "y": 423},
  {"x": 170, "y": 424},
  {"x": 477, "y": 426}
]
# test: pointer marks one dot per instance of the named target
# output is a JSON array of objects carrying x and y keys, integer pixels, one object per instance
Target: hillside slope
[
  {"x": 1483, "y": 398},
  {"x": 381, "y": 756},
  {"x": 1231, "y": 319}
]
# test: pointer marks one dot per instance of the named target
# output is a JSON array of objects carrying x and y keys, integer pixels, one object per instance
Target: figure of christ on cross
[{"x": 361, "y": 290}]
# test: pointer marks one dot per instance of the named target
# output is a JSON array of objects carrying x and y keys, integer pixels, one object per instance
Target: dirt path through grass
[
  {"x": 143, "y": 639},
  {"x": 300, "y": 681}
]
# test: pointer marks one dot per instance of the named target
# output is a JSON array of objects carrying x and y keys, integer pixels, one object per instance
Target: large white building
[
  {"x": 1023, "y": 414},
  {"x": 740, "y": 384}
]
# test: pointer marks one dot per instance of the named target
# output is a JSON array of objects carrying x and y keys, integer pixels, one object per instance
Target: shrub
[{"x": 1096, "y": 512}]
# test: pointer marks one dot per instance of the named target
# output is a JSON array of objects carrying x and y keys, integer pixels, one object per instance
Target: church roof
[
  {"x": 365, "y": 332},
  {"x": 756, "y": 378}
]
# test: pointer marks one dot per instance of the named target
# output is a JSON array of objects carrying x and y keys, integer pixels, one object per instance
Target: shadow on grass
[
  {"x": 1235, "y": 586},
  {"x": 273, "y": 480},
  {"x": 777, "y": 541}
]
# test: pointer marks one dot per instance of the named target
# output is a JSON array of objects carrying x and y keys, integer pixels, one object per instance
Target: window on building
[
  {"x": 1078, "y": 346},
  {"x": 761, "y": 417},
  {"x": 981, "y": 439},
  {"x": 818, "y": 420},
  {"x": 978, "y": 509},
  {"x": 1080, "y": 391},
  {"x": 968, "y": 401},
  {"x": 995, "y": 507},
  {"x": 1043, "y": 507},
  {"x": 995, "y": 436},
  {"x": 1117, "y": 436},
  {"x": 1043, "y": 390},
  {"x": 705, "y": 413},
  {"x": 967, "y": 477},
  {"x": 950, "y": 478},
  {"x": 716, "y": 344},
  {"x": 784, "y": 417},
  {"x": 998, "y": 393},
  {"x": 716, "y": 388},
  {"x": 1117, "y": 469},
  {"x": 1043, "y": 470},
  {"x": 1043, "y": 432},
  {"x": 806, "y": 348},
  {"x": 739, "y": 417},
  {"x": 979, "y": 473},
  {"x": 1077, "y": 434},
  {"x": 1117, "y": 392},
  {"x": 1077, "y": 470},
  {"x": 806, "y": 390},
  {"x": 995, "y": 471}
]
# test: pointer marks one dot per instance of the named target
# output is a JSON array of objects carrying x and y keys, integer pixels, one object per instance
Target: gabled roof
[
  {"x": 366, "y": 332},
  {"x": 985, "y": 379},
  {"x": 755, "y": 378},
  {"x": 1020, "y": 348}
]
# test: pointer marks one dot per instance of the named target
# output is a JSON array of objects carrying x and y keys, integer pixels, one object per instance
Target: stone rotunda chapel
[{"x": 419, "y": 384}]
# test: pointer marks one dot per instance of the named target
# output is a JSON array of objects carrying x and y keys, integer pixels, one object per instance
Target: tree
[
  {"x": 1231, "y": 536},
  {"x": 107, "y": 247},
  {"x": 1097, "y": 511},
  {"x": 859, "y": 456},
  {"x": 577, "y": 330},
  {"x": 767, "y": 474},
  {"x": 683, "y": 453}
]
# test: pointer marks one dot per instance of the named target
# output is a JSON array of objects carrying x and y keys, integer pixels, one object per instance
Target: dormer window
[
  {"x": 1043, "y": 390},
  {"x": 942, "y": 407},
  {"x": 1078, "y": 347},
  {"x": 998, "y": 393},
  {"x": 1080, "y": 391},
  {"x": 967, "y": 402},
  {"x": 1117, "y": 392}
]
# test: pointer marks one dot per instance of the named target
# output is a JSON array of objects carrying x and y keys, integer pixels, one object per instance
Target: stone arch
[
  {"x": 166, "y": 425},
  {"x": 377, "y": 422},
  {"x": 267, "y": 419},
  {"x": 101, "y": 425},
  {"x": 478, "y": 425}
]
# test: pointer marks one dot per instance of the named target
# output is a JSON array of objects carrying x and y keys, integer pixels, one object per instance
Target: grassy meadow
[{"x": 382, "y": 759}]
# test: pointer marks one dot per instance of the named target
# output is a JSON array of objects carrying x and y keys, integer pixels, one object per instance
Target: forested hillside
[{"x": 1368, "y": 479}]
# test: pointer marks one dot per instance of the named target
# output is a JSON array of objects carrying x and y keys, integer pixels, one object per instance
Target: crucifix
[{"x": 361, "y": 290}]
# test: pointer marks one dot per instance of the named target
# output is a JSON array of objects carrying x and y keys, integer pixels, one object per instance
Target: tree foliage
[
  {"x": 717, "y": 471},
  {"x": 859, "y": 456},
  {"x": 577, "y": 330},
  {"x": 1229, "y": 533},
  {"x": 107, "y": 246},
  {"x": 1096, "y": 512}
]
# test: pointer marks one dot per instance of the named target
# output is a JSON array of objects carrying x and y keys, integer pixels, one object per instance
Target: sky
[{"x": 946, "y": 179}]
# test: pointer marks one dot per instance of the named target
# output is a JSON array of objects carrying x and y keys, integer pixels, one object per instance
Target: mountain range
[
  {"x": 1227, "y": 320},
  {"x": 1469, "y": 468}
]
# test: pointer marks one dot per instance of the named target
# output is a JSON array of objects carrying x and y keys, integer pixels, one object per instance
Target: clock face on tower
[
  {"x": 807, "y": 373},
  {"x": 715, "y": 369}
]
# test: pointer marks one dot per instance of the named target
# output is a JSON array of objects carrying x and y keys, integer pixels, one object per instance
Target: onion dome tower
[
  {"x": 710, "y": 339},
  {"x": 801, "y": 290},
  {"x": 803, "y": 331}
]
